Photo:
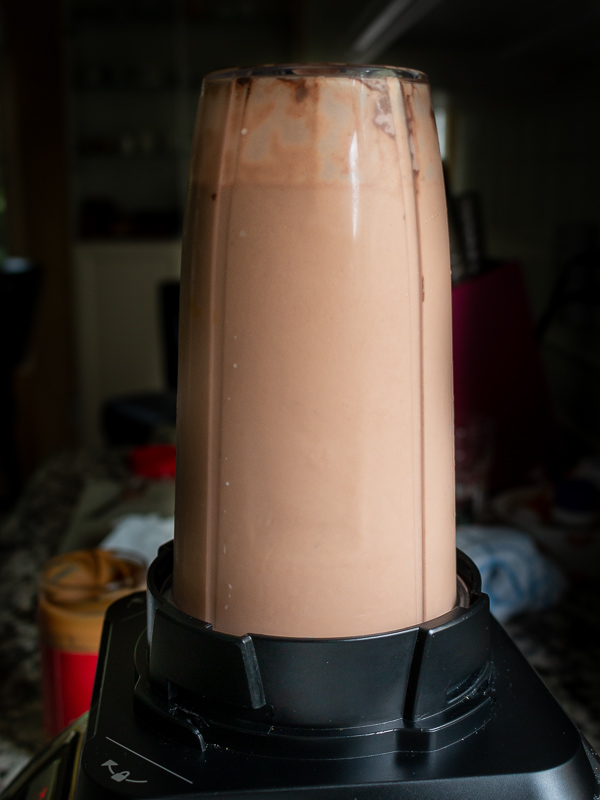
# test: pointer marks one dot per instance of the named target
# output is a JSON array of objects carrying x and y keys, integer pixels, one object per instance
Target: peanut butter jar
[{"x": 76, "y": 588}]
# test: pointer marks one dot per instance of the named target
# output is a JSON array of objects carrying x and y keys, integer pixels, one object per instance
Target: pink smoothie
[{"x": 315, "y": 479}]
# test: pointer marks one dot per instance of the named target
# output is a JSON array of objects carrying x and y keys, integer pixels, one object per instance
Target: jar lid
[
  {"x": 90, "y": 580},
  {"x": 153, "y": 461}
]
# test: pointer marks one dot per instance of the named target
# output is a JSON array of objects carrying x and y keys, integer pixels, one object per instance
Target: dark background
[{"x": 97, "y": 108}]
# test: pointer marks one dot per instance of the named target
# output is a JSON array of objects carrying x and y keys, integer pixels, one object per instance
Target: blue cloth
[{"x": 515, "y": 575}]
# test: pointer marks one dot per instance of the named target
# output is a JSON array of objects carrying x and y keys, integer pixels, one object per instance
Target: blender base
[{"x": 528, "y": 749}]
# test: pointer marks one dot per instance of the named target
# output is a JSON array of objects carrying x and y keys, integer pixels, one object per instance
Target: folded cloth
[
  {"x": 141, "y": 534},
  {"x": 515, "y": 575}
]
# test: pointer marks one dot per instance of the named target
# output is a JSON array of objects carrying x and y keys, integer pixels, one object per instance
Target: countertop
[{"x": 562, "y": 643}]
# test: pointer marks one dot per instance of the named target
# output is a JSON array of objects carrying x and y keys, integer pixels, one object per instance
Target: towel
[
  {"x": 141, "y": 534},
  {"x": 515, "y": 575}
]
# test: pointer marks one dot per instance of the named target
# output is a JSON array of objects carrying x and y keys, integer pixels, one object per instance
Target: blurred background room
[{"x": 97, "y": 108}]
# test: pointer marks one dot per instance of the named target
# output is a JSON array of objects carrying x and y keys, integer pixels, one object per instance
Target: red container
[
  {"x": 76, "y": 589},
  {"x": 500, "y": 387}
]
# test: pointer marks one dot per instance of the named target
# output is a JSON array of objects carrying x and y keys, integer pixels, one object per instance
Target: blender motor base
[{"x": 528, "y": 749}]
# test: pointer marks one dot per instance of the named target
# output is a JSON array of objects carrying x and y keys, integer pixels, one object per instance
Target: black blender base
[{"x": 528, "y": 749}]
